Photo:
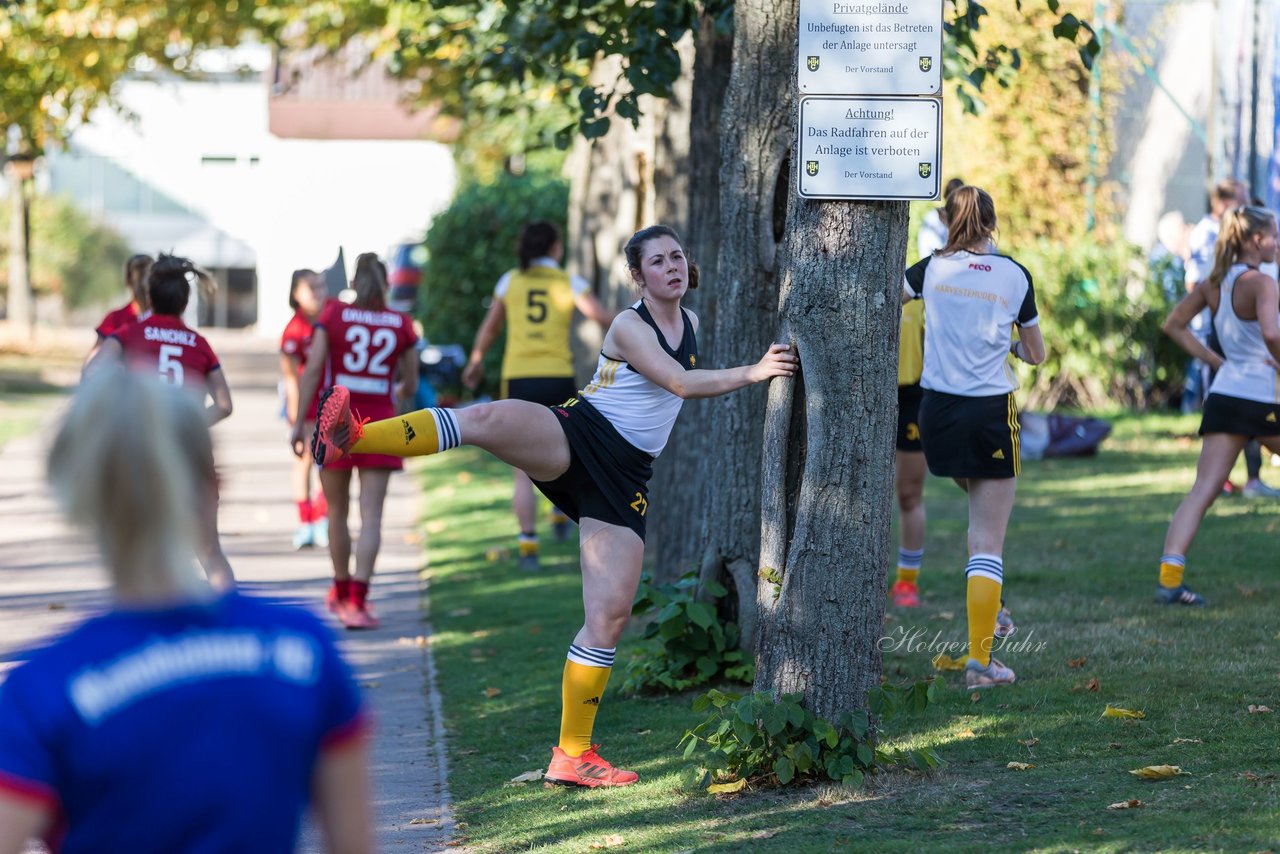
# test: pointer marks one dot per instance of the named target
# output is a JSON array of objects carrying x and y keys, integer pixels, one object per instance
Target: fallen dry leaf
[
  {"x": 942, "y": 661},
  {"x": 1258, "y": 778},
  {"x": 967, "y": 734},
  {"x": 423, "y": 820},
  {"x": 1258, "y": 710},
  {"x": 1132, "y": 803},
  {"x": 1158, "y": 772},
  {"x": 1093, "y": 685},
  {"x": 1115, "y": 745},
  {"x": 1187, "y": 741},
  {"x": 1115, "y": 712},
  {"x": 437, "y": 526},
  {"x": 1029, "y": 742},
  {"x": 726, "y": 788},
  {"x": 464, "y": 477},
  {"x": 975, "y": 697},
  {"x": 1246, "y": 592},
  {"x": 492, "y": 692},
  {"x": 1077, "y": 663},
  {"x": 644, "y": 732},
  {"x": 57, "y": 606},
  {"x": 1019, "y": 766},
  {"x": 945, "y": 615},
  {"x": 526, "y": 777},
  {"x": 764, "y": 834},
  {"x": 613, "y": 840}
]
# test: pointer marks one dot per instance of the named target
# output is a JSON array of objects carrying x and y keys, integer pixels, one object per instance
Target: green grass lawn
[{"x": 1080, "y": 568}]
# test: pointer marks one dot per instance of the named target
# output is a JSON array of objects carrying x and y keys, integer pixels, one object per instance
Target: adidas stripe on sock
[
  {"x": 590, "y": 656},
  {"x": 586, "y": 673},
  {"x": 984, "y": 579},
  {"x": 908, "y": 559}
]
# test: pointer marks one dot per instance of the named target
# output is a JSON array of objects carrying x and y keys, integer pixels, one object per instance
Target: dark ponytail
[
  {"x": 300, "y": 277},
  {"x": 169, "y": 284},
  {"x": 370, "y": 282},
  {"x": 536, "y": 240}
]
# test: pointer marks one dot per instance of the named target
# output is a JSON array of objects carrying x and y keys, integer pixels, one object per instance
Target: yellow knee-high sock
[
  {"x": 585, "y": 674},
  {"x": 1171, "y": 569},
  {"x": 984, "y": 579},
  {"x": 417, "y": 434}
]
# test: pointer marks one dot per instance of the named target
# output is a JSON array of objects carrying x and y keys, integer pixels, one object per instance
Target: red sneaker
[
  {"x": 586, "y": 770},
  {"x": 337, "y": 429},
  {"x": 906, "y": 594},
  {"x": 339, "y": 592},
  {"x": 355, "y": 612}
]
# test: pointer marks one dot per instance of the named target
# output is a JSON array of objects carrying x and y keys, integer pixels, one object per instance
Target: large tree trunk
[
  {"x": 756, "y": 131},
  {"x": 828, "y": 443},
  {"x": 675, "y": 539},
  {"x": 828, "y": 463}
]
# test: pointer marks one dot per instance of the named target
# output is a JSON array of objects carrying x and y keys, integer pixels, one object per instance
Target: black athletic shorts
[
  {"x": 545, "y": 391},
  {"x": 970, "y": 436},
  {"x": 1239, "y": 417},
  {"x": 608, "y": 477},
  {"x": 909, "y": 417}
]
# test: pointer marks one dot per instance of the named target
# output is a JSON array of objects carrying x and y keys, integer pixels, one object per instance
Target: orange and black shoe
[
  {"x": 586, "y": 770},
  {"x": 337, "y": 429}
]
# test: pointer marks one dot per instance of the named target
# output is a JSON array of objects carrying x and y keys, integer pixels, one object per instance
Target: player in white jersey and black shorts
[
  {"x": 1244, "y": 399},
  {"x": 592, "y": 456},
  {"x": 968, "y": 419}
]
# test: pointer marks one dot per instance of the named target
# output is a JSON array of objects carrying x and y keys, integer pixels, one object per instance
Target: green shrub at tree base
[
  {"x": 72, "y": 256},
  {"x": 687, "y": 645},
  {"x": 757, "y": 739},
  {"x": 471, "y": 244},
  {"x": 1101, "y": 310}
]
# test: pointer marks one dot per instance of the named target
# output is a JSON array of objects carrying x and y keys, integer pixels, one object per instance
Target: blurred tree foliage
[
  {"x": 1029, "y": 146},
  {"x": 72, "y": 256},
  {"x": 471, "y": 244}
]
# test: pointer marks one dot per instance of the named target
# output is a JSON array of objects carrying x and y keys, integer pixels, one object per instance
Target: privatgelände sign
[
  {"x": 870, "y": 47},
  {"x": 869, "y": 148}
]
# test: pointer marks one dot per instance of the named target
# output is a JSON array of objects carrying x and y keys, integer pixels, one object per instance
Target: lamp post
[{"x": 20, "y": 167}]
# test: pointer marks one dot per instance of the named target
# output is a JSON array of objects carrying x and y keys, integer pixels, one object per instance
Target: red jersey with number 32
[
  {"x": 364, "y": 348},
  {"x": 163, "y": 343}
]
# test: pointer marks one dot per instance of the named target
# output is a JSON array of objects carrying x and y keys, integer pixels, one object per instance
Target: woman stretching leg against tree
[{"x": 592, "y": 456}]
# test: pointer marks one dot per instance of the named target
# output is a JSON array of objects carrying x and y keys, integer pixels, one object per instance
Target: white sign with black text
[
  {"x": 869, "y": 148},
  {"x": 874, "y": 47}
]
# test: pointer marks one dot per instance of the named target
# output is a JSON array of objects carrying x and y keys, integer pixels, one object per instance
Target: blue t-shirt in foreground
[{"x": 194, "y": 729}]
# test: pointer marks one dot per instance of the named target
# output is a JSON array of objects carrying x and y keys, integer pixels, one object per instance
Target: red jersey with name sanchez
[
  {"x": 117, "y": 319},
  {"x": 364, "y": 348},
  {"x": 162, "y": 343}
]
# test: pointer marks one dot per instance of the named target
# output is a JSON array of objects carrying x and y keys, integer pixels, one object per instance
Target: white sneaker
[
  {"x": 977, "y": 677},
  {"x": 320, "y": 533},
  {"x": 1258, "y": 489}
]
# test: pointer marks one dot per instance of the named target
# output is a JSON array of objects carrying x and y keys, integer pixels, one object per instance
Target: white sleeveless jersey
[
  {"x": 1245, "y": 373},
  {"x": 642, "y": 411}
]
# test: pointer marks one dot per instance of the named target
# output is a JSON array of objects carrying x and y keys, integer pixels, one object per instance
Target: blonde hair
[
  {"x": 971, "y": 218},
  {"x": 1238, "y": 225},
  {"x": 133, "y": 462}
]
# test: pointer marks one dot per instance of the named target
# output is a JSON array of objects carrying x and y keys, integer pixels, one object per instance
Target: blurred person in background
[
  {"x": 933, "y": 228},
  {"x": 536, "y": 302},
  {"x": 161, "y": 345},
  {"x": 180, "y": 719},
  {"x": 370, "y": 349},
  {"x": 135, "y": 279},
  {"x": 307, "y": 296}
]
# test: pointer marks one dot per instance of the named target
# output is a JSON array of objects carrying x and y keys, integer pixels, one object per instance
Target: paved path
[{"x": 50, "y": 577}]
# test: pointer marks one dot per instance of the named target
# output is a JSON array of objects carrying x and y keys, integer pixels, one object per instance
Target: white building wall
[{"x": 292, "y": 202}]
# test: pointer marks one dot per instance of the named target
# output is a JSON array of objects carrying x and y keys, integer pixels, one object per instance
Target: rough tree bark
[
  {"x": 756, "y": 130},
  {"x": 676, "y": 528},
  {"x": 826, "y": 466}
]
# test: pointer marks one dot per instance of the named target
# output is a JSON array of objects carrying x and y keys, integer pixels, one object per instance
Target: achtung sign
[
  {"x": 869, "y": 148},
  {"x": 873, "y": 47}
]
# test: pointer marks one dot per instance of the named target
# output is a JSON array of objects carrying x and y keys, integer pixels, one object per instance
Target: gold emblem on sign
[
  {"x": 926, "y": 169},
  {"x": 926, "y": 63},
  {"x": 813, "y": 62},
  {"x": 811, "y": 168}
]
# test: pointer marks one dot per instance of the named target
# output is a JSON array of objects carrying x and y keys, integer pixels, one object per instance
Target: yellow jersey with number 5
[{"x": 539, "y": 304}]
